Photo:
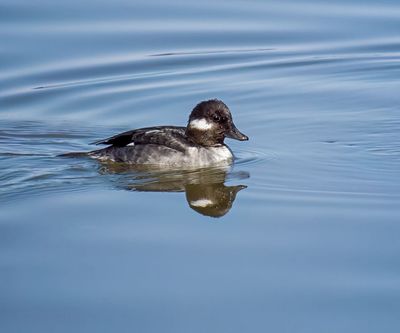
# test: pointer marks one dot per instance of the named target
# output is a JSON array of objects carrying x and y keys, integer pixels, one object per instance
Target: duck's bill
[{"x": 234, "y": 133}]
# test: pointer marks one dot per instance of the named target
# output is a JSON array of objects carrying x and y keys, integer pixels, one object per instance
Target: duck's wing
[{"x": 169, "y": 136}]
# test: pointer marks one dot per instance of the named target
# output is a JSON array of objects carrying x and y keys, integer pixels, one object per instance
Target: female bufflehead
[{"x": 199, "y": 144}]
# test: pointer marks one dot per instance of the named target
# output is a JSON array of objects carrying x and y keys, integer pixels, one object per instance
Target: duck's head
[{"x": 210, "y": 123}]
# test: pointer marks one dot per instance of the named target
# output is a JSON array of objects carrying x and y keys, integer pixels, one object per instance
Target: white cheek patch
[
  {"x": 201, "y": 124},
  {"x": 202, "y": 203}
]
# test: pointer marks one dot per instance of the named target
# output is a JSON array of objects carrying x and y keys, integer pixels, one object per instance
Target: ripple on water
[
  {"x": 109, "y": 86},
  {"x": 244, "y": 157}
]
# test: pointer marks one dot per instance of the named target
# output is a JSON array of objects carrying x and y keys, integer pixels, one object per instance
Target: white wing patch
[{"x": 201, "y": 124}]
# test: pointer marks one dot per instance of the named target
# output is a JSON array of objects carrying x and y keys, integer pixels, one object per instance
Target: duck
[{"x": 199, "y": 144}]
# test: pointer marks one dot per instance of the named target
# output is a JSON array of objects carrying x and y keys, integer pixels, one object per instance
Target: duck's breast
[{"x": 201, "y": 156}]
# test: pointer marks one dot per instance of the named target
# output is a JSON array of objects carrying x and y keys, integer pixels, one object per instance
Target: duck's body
[
  {"x": 162, "y": 145},
  {"x": 200, "y": 144}
]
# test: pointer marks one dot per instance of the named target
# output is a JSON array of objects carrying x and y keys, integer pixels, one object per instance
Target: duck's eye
[{"x": 217, "y": 118}]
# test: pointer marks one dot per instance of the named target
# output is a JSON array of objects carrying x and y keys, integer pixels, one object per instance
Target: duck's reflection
[
  {"x": 211, "y": 199},
  {"x": 205, "y": 188}
]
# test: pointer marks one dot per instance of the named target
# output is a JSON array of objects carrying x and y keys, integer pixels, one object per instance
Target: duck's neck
[{"x": 206, "y": 138}]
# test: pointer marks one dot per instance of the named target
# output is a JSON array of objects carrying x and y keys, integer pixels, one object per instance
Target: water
[{"x": 303, "y": 234}]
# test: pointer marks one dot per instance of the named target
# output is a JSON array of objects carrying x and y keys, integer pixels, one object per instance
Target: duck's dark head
[{"x": 210, "y": 123}]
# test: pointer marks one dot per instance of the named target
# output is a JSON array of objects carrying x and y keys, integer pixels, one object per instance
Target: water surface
[{"x": 300, "y": 234}]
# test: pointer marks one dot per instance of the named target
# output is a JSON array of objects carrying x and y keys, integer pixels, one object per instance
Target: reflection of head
[
  {"x": 205, "y": 188},
  {"x": 211, "y": 199}
]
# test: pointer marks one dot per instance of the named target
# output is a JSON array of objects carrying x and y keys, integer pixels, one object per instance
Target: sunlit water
[{"x": 300, "y": 235}]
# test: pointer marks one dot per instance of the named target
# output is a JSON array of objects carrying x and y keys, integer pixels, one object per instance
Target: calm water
[{"x": 304, "y": 232}]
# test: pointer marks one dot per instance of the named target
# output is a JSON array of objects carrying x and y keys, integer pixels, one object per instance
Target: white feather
[
  {"x": 201, "y": 124},
  {"x": 221, "y": 153},
  {"x": 201, "y": 203}
]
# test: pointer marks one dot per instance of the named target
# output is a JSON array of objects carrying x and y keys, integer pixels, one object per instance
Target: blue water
[{"x": 303, "y": 235}]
